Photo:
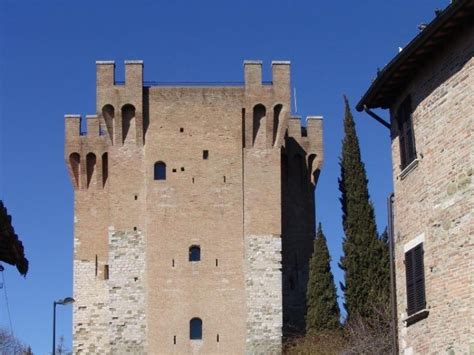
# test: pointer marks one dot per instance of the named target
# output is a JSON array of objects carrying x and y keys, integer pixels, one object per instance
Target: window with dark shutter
[
  {"x": 415, "y": 277},
  {"x": 405, "y": 133}
]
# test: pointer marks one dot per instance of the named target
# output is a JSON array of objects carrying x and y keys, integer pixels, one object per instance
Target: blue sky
[{"x": 48, "y": 51}]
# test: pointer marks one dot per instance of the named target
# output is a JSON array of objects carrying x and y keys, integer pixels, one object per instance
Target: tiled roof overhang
[
  {"x": 390, "y": 81},
  {"x": 11, "y": 248}
]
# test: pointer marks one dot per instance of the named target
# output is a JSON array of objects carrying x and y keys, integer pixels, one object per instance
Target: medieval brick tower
[{"x": 194, "y": 214}]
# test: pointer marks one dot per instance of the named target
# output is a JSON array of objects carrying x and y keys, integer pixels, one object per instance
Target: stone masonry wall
[
  {"x": 127, "y": 329},
  {"x": 434, "y": 201},
  {"x": 90, "y": 311},
  {"x": 264, "y": 294}
]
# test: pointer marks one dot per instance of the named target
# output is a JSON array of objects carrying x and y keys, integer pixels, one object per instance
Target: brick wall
[
  {"x": 435, "y": 201},
  {"x": 229, "y": 204}
]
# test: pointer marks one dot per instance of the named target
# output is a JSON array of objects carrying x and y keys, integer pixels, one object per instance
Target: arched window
[
  {"x": 259, "y": 113},
  {"x": 160, "y": 171},
  {"x": 195, "y": 329},
  {"x": 108, "y": 112},
  {"x": 276, "y": 120},
  {"x": 75, "y": 161},
  {"x": 194, "y": 253},
  {"x": 311, "y": 169},
  {"x": 90, "y": 165},
  {"x": 128, "y": 116}
]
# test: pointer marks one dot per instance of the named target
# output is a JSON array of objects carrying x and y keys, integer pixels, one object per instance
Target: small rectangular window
[
  {"x": 194, "y": 253},
  {"x": 406, "y": 137},
  {"x": 195, "y": 329},
  {"x": 160, "y": 171},
  {"x": 205, "y": 154},
  {"x": 181, "y": 129},
  {"x": 415, "y": 279}
]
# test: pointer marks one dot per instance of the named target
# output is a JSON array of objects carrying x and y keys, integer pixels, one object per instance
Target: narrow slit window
[
  {"x": 217, "y": 338},
  {"x": 205, "y": 154},
  {"x": 172, "y": 263},
  {"x": 174, "y": 340},
  {"x": 106, "y": 272},
  {"x": 96, "y": 264},
  {"x": 217, "y": 262}
]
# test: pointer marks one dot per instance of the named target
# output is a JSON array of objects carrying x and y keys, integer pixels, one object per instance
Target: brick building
[
  {"x": 194, "y": 214},
  {"x": 429, "y": 89}
]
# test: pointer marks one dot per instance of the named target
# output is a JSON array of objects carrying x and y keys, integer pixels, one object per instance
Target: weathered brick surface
[
  {"x": 258, "y": 182},
  {"x": 436, "y": 199}
]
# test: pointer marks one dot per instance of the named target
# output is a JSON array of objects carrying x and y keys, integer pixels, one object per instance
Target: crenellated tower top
[{"x": 120, "y": 120}]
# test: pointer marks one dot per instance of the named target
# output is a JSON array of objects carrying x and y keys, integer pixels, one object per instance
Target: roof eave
[{"x": 415, "y": 44}]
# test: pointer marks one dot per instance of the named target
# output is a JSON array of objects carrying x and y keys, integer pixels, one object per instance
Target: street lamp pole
[
  {"x": 63, "y": 302},
  {"x": 54, "y": 328}
]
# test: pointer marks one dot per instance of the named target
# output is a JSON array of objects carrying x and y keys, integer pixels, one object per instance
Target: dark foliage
[
  {"x": 11, "y": 345},
  {"x": 323, "y": 310},
  {"x": 365, "y": 259}
]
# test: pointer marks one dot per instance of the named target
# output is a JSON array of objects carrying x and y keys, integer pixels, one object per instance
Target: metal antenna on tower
[{"x": 294, "y": 96}]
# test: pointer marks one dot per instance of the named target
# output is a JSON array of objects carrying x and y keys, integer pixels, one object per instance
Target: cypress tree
[
  {"x": 382, "y": 275},
  {"x": 364, "y": 288},
  {"x": 323, "y": 310}
]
